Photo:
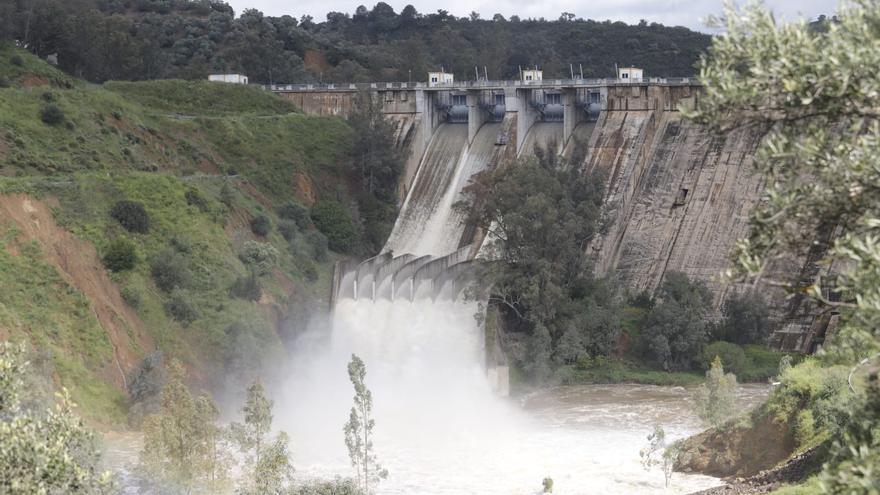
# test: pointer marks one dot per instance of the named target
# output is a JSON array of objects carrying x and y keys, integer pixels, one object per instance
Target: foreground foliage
[
  {"x": 816, "y": 97},
  {"x": 46, "y": 451}
]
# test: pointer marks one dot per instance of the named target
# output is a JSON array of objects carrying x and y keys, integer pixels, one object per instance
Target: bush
[
  {"x": 16, "y": 60},
  {"x": 131, "y": 295},
  {"x": 247, "y": 288},
  {"x": 310, "y": 271},
  {"x": 170, "y": 270},
  {"x": 259, "y": 257},
  {"x": 4, "y": 83},
  {"x": 746, "y": 319},
  {"x": 52, "y": 115},
  {"x": 288, "y": 229},
  {"x": 121, "y": 255},
  {"x": 131, "y": 215},
  {"x": 195, "y": 198},
  {"x": 732, "y": 356},
  {"x": 180, "y": 307},
  {"x": 334, "y": 221},
  {"x": 260, "y": 225},
  {"x": 295, "y": 212},
  {"x": 318, "y": 244},
  {"x": 227, "y": 195}
]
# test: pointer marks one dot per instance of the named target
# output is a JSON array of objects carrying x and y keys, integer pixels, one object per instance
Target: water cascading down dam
[{"x": 427, "y": 260}]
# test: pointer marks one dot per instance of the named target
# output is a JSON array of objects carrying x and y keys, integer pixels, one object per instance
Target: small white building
[
  {"x": 228, "y": 78},
  {"x": 440, "y": 79},
  {"x": 531, "y": 75},
  {"x": 627, "y": 74}
]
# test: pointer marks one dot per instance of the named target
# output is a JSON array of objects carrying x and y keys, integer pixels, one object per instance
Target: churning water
[{"x": 441, "y": 430}]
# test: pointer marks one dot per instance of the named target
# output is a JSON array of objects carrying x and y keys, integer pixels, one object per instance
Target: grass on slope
[
  {"x": 38, "y": 305},
  {"x": 22, "y": 68},
  {"x": 112, "y": 145},
  {"x": 201, "y": 97}
]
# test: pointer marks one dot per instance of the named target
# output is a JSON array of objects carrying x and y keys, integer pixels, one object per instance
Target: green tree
[
  {"x": 676, "y": 329},
  {"x": 539, "y": 216},
  {"x": 269, "y": 470},
  {"x": 746, "y": 319},
  {"x": 42, "y": 451},
  {"x": 816, "y": 98},
  {"x": 359, "y": 429},
  {"x": 716, "y": 398},
  {"x": 183, "y": 446},
  {"x": 333, "y": 219}
]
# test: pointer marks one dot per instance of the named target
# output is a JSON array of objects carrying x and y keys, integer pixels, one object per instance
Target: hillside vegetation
[
  {"x": 145, "y": 216},
  {"x": 187, "y": 39}
]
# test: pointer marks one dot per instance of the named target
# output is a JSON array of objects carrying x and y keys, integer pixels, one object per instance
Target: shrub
[
  {"x": 131, "y": 215},
  {"x": 52, "y": 114},
  {"x": 170, "y": 270},
  {"x": 4, "y": 83},
  {"x": 180, "y": 307},
  {"x": 310, "y": 271},
  {"x": 334, "y": 221},
  {"x": 260, "y": 225},
  {"x": 227, "y": 195},
  {"x": 121, "y": 255},
  {"x": 259, "y": 257},
  {"x": 247, "y": 288},
  {"x": 288, "y": 229},
  {"x": 131, "y": 295},
  {"x": 16, "y": 60},
  {"x": 195, "y": 198},
  {"x": 746, "y": 319},
  {"x": 732, "y": 356},
  {"x": 318, "y": 244},
  {"x": 295, "y": 212}
]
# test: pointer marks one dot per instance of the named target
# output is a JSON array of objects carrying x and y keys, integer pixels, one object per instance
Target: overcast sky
[{"x": 690, "y": 13}]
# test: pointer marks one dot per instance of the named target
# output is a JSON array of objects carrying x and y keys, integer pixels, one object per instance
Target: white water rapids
[{"x": 440, "y": 430}]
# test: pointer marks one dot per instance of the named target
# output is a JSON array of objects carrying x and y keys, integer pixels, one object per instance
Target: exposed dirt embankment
[
  {"x": 80, "y": 266},
  {"x": 737, "y": 451},
  {"x": 794, "y": 470}
]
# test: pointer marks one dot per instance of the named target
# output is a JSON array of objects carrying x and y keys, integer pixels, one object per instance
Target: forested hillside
[{"x": 101, "y": 40}]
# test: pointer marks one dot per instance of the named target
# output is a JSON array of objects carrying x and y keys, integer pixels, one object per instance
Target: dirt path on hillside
[{"x": 78, "y": 263}]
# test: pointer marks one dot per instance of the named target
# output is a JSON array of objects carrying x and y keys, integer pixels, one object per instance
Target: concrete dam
[{"x": 677, "y": 197}]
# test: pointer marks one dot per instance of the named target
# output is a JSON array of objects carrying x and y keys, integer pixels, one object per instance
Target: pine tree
[{"x": 359, "y": 429}]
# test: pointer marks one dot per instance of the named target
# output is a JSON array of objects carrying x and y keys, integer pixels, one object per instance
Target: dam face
[{"x": 677, "y": 198}]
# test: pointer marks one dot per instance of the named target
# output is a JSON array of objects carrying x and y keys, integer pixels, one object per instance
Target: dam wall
[{"x": 677, "y": 197}]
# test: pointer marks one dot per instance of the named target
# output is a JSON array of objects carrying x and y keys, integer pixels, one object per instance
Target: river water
[{"x": 587, "y": 438}]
